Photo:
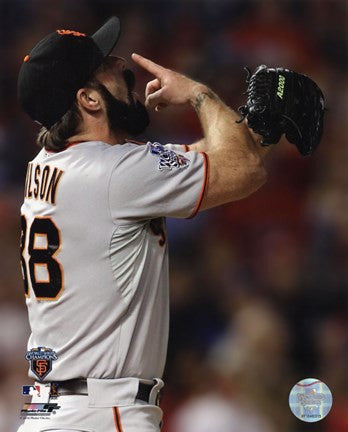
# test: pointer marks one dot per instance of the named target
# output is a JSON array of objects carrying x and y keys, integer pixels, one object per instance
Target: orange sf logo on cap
[{"x": 70, "y": 32}]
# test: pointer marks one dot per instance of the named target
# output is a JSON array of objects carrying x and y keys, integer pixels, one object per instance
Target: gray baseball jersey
[{"x": 95, "y": 259}]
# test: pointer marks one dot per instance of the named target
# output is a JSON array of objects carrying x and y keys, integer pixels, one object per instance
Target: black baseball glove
[{"x": 281, "y": 101}]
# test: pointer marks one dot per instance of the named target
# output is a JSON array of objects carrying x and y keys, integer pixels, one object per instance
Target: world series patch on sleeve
[{"x": 168, "y": 159}]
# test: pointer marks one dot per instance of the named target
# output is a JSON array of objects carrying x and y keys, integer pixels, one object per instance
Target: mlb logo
[{"x": 32, "y": 390}]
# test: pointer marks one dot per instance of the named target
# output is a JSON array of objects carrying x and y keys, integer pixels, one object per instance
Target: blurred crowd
[{"x": 258, "y": 287}]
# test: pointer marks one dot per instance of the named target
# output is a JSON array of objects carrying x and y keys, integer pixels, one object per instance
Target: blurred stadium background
[{"x": 258, "y": 287}]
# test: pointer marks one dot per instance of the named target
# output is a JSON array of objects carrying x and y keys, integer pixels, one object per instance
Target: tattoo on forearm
[{"x": 197, "y": 103}]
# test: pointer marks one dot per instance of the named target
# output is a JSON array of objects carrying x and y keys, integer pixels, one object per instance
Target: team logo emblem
[
  {"x": 168, "y": 159},
  {"x": 71, "y": 33},
  {"x": 41, "y": 361}
]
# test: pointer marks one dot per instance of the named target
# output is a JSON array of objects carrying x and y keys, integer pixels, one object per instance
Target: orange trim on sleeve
[
  {"x": 204, "y": 185},
  {"x": 186, "y": 148}
]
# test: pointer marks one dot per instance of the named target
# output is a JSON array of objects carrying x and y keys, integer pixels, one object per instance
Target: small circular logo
[{"x": 310, "y": 400}]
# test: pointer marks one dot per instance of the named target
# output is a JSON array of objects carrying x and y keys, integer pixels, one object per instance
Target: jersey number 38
[{"x": 39, "y": 244}]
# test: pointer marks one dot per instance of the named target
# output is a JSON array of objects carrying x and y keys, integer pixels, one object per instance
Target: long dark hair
[{"x": 56, "y": 137}]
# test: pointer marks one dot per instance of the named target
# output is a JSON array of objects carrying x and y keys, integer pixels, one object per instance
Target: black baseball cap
[{"x": 58, "y": 66}]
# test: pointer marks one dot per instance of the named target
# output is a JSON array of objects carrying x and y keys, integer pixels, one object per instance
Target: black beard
[{"x": 132, "y": 118}]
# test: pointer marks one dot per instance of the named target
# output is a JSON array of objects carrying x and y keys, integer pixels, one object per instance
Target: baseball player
[{"x": 94, "y": 251}]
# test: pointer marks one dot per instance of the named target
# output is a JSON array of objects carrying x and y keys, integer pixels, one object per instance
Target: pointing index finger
[{"x": 148, "y": 65}]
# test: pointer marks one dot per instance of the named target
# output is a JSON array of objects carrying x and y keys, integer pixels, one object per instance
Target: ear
[{"x": 89, "y": 99}]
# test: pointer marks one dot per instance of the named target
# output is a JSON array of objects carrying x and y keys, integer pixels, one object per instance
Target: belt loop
[{"x": 155, "y": 394}]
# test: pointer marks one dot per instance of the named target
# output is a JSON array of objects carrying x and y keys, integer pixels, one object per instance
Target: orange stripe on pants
[{"x": 117, "y": 419}]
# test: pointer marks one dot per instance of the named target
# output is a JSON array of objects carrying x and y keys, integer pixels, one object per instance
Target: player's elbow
[
  {"x": 258, "y": 177},
  {"x": 233, "y": 184},
  {"x": 251, "y": 179}
]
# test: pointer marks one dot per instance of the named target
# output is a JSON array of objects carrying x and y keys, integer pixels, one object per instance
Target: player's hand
[{"x": 168, "y": 87}]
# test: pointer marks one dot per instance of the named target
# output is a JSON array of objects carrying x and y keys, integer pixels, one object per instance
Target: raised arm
[{"x": 235, "y": 166}]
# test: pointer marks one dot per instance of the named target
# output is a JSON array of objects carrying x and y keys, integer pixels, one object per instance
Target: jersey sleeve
[
  {"x": 182, "y": 148},
  {"x": 153, "y": 180}
]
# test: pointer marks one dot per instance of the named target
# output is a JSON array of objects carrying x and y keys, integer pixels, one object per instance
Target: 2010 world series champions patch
[
  {"x": 40, "y": 359},
  {"x": 168, "y": 159}
]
